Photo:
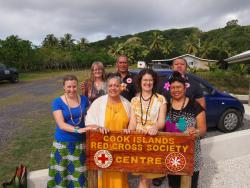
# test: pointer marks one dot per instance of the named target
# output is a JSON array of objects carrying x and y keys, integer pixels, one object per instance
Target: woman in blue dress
[{"x": 67, "y": 160}]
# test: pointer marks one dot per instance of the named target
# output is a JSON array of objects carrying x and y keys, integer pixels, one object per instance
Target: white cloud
[{"x": 94, "y": 20}]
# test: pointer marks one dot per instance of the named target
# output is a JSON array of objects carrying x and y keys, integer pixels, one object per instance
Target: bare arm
[
  {"x": 202, "y": 102},
  {"x": 160, "y": 121},
  {"x": 58, "y": 116},
  {"x": 201, "y": 123},
  {"x": 132, "y": 121},
  {"x": 201, "y": 126},
  {"x": 161, "y": 118}
]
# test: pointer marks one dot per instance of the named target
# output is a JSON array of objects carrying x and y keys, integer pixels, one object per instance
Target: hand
[
  {"x": 82, "y": 85},
  {"x": 195, "y": 133},
  {"x": 141, "y": 131},
  {"x": 127, "y": 131},
  {"x": 123, "y": 86},
  {"x": 103, "y": 130},
  {"x": 94, "y": 127},
  {"x": 152, "y": 131},
  {"x": 83, "y": 130}
]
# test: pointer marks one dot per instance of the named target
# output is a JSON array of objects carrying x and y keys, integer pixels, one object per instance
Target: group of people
[{"x": 122, "y": 101}]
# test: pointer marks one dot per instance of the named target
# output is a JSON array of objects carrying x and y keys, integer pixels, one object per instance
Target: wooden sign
[{"x": 171, "y": 153}]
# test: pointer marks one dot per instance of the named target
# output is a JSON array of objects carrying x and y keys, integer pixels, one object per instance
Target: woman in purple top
[{"x": 96, "y": 86}]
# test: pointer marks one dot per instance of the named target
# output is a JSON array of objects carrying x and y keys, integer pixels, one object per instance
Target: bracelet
[{"x": 76, "y": 129}]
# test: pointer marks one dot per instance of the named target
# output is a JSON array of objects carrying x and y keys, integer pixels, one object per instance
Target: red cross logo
[{"x": 103, "y": 158}]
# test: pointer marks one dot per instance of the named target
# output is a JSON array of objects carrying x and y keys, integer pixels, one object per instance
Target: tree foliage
[{"x": 68, "y": 53}]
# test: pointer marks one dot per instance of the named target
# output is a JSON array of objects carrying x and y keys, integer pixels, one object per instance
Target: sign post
[{"x": 167, "y": 153}]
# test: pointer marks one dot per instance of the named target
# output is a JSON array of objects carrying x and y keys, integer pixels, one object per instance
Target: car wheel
[
  {"x": 14, "y": 78},
  {"x": 230, "y": 120}
]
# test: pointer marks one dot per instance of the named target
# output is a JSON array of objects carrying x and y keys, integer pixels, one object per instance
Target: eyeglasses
[
  {"x": 122, "y": 62},
  {"x": 96, "y": 70},
  {"x": 147, "y": 80}
]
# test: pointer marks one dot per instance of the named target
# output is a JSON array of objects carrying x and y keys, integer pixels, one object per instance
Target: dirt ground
[{"x": 21, "y": 101}]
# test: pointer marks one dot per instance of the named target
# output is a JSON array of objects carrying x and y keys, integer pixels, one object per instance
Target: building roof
[
  {"x": 189, "y": 55},
  {"x": 243, "y": 57}
]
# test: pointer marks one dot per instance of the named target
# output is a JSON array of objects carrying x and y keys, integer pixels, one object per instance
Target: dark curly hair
[
  {"x": 150, "y": 72},
  {"x": 176, "y": 76}
]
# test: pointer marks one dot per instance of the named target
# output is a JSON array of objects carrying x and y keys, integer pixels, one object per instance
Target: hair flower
[
  {"x": 129, "y": 80},
  {"x": 187, "y": 85},
  {"x": 167, "y": 86}
]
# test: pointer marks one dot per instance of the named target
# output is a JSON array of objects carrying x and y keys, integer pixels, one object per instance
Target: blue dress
[{"x": 67, "y": 167}]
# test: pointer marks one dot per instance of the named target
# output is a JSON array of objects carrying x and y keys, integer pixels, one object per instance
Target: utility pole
[{"x": 199, "y": 42}]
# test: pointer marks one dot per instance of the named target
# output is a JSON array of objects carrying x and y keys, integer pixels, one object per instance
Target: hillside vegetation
[{"x": 56, "y": 53}]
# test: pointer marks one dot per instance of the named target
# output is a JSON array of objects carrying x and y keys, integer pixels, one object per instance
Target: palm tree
[
  {"x": 191, "y": 46},
  {"x": 134, "y": 48},
  {"x": 168, "y": 47},
  {"x": 204, "y": 49},
  {"x": 133, "y": 41},
  {"x": 116, "y": 49},
  {"x": 157, "y": 41},
  {"x": 67, "y": 41},
  {"x": 82, "y": 44},
  {"x": 50, "y": 41}
]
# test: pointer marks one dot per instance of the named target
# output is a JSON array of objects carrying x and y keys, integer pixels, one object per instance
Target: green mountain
[{"x": 231, "y": 39}]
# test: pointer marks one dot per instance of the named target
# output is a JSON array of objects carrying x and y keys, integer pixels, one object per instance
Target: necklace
[
  {"x": 149, "y": 99},
  {"x": 97, "y": 90},
  {"x": 171, "y": 114},
  {"x": 71, "y": 116}
]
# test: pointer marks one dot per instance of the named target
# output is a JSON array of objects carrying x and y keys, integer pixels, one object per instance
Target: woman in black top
[{"x": 185, "y": 115}]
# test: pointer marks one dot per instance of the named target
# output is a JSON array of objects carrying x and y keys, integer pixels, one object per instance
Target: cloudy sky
[{"x": 95, "y": 19}]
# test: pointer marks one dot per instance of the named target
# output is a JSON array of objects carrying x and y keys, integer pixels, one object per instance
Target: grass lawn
[
  {"x": 227, "y": 81},
  {"x": 44, "y": 75}
]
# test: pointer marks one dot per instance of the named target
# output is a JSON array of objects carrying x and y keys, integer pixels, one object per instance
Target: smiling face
[
  {"x": 97, "y": 71},
  {"x": 147, "y": 82},
  {"x": 70, "y": 88},
  {"x": 114, "y": 87},
  {"x": 122, "y": 64},
  {"x": 177, "y": 90}
]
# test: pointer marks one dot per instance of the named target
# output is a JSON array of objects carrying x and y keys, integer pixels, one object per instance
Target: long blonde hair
[{"x": 100, "y": 65}]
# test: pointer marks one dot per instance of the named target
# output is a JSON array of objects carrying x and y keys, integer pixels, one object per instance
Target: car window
[
  {"x": 206, "y": 90},
  {"x": 159, "y": 66},
  {"x": 2, "y": 66}
]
